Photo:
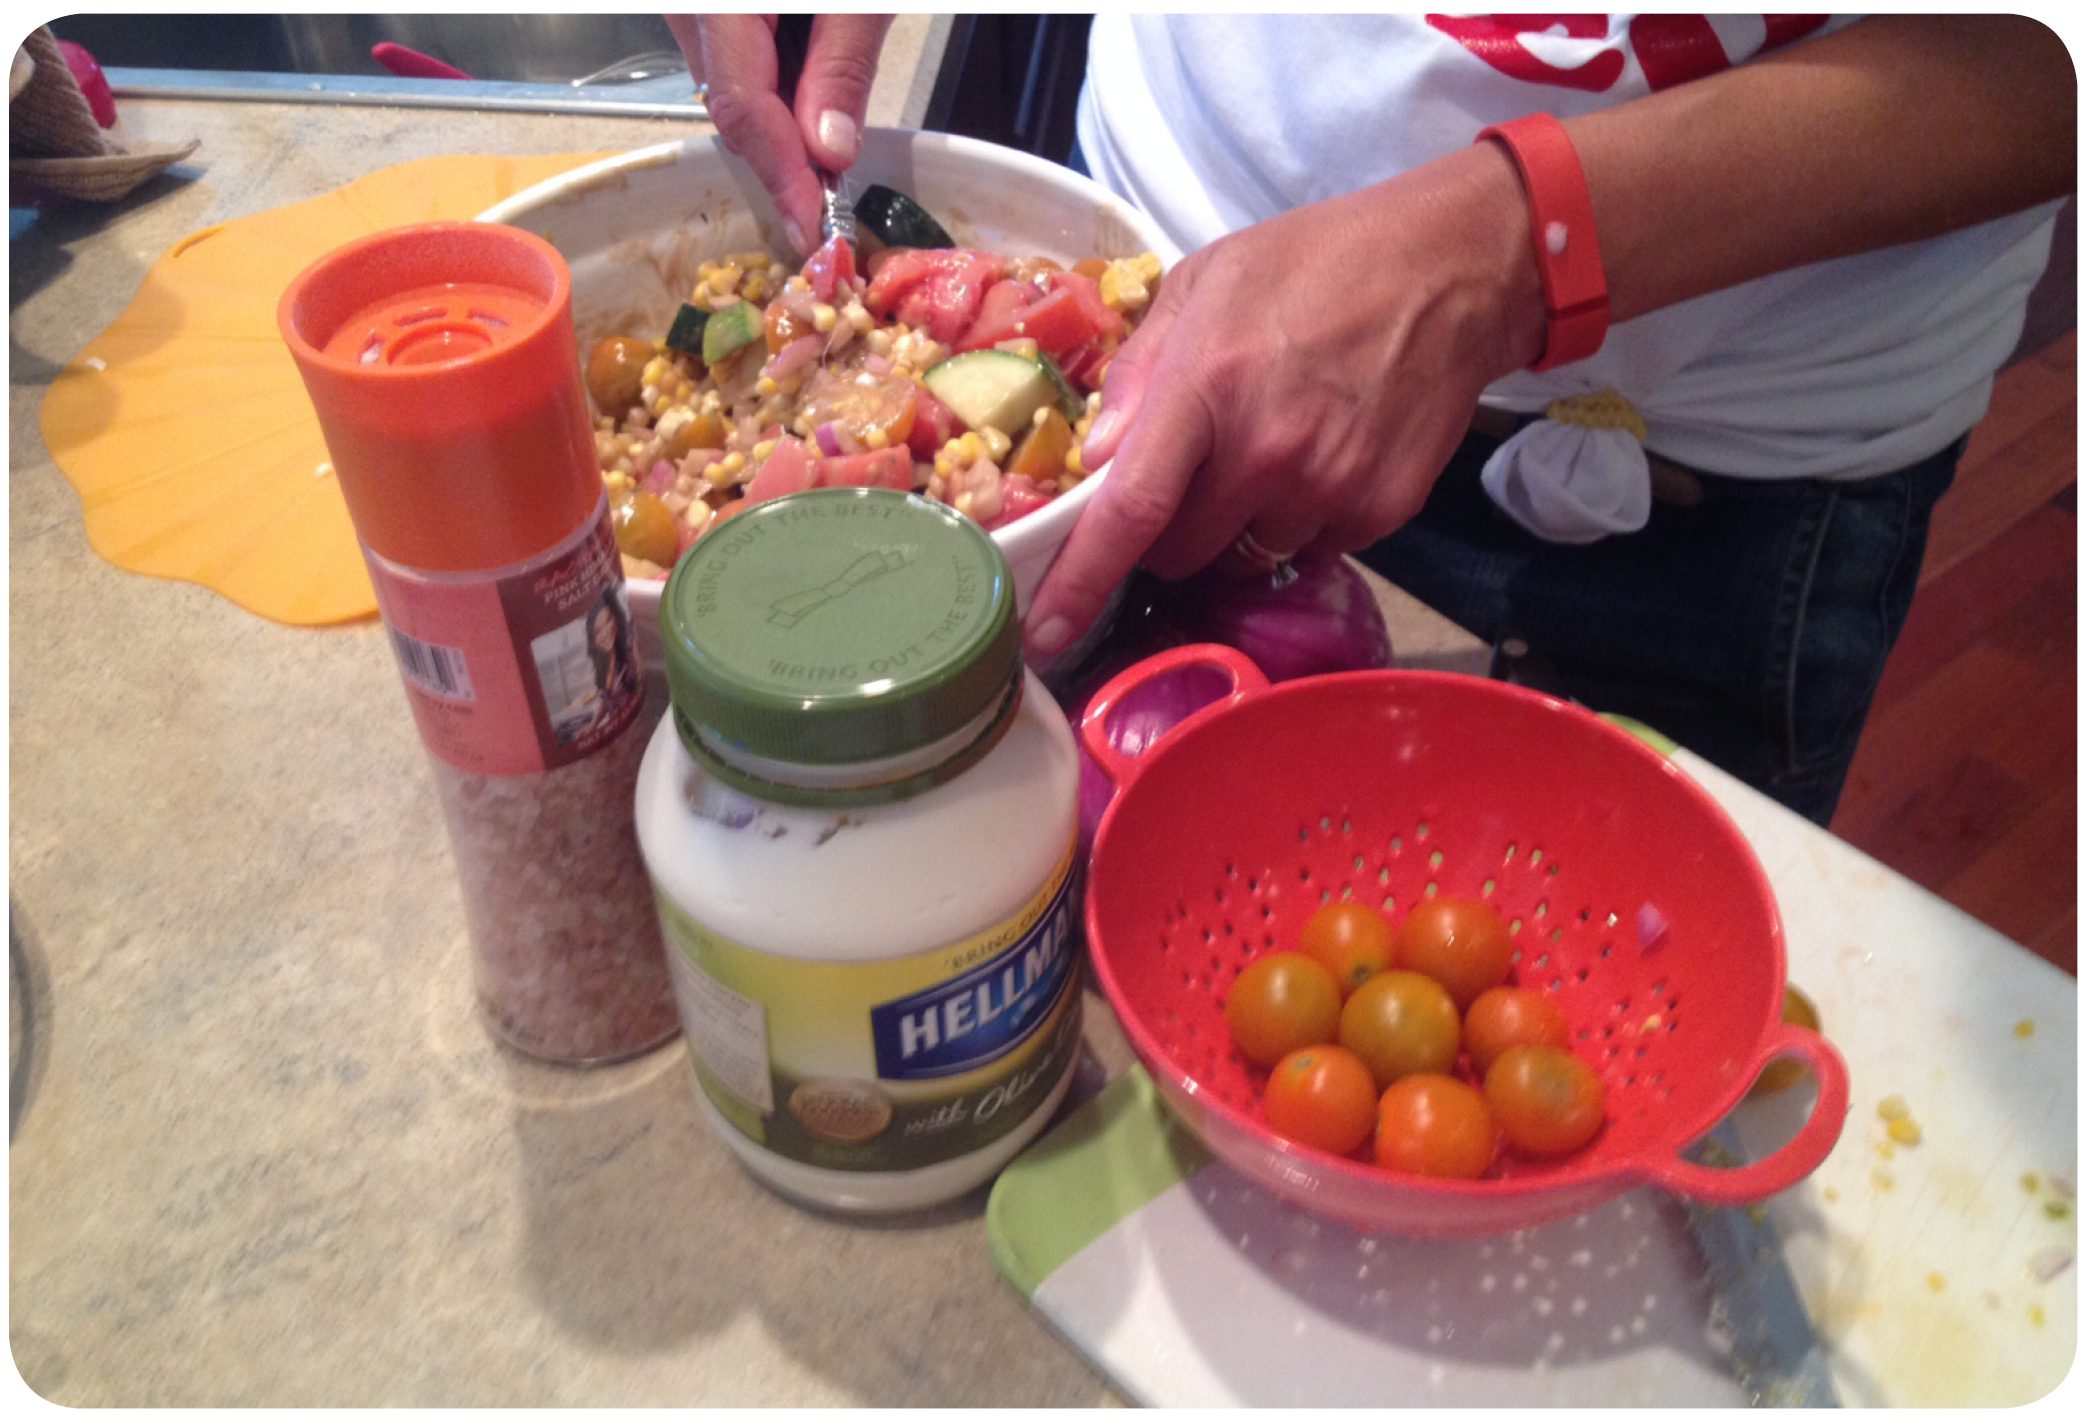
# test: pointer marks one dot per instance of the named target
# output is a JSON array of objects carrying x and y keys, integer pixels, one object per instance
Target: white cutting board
[{"x": 1186, "y": 1286}]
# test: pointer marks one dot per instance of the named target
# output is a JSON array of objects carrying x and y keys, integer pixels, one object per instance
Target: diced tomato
[
  {"x": 1058, "y": 322},
  {"x": 1106, "y": 321},
  {"x": 828, "y": 266},
  {"x": 1018, "y": 497},
  {"x": 790, "y": 468},
  {"x": 1003, "y": 302},
  {"x": 938, "y": 289},
  {"x": 933, "y": 426},
  {"x": 1084, "y": 367},
  {"x": 888, "y": 468}
]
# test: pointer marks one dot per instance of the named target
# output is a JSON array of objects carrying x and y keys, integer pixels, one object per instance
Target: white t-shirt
[{"x": 1840, "y": 369}]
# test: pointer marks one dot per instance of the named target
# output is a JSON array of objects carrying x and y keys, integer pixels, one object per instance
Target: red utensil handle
[
  {"x": 407, "y": 63},
  {"x": 1121, "y": 766},
  {"x": 1794, "y": 1159}
]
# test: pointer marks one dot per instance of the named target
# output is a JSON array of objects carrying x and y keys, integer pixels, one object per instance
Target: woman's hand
[
  {"x": 735, "y": 56},
  {"x": 1304, "y": 380}
]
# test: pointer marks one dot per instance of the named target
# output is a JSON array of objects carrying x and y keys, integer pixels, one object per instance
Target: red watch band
[{"x": 1563, "y": 234}]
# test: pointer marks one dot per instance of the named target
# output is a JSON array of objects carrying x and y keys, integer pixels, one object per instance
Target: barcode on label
[{"x": 433, "y": 667}]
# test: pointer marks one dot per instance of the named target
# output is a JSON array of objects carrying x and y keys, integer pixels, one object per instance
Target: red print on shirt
[{"x": 1671, "y": 49}]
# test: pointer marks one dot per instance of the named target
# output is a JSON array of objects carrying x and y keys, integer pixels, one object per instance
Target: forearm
[{"x": 1893, "y": 130}]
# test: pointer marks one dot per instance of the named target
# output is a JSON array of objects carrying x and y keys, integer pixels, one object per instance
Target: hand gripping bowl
[
  {"x": 1388, "y": 787},
  {"x": 635, "y": 226}
]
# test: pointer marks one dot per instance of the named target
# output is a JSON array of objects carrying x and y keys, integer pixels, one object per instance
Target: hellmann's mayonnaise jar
[{"x": 860, "y": 816}]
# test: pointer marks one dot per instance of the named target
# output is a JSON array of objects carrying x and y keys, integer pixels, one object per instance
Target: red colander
[{"x": 1391, "y": 787}]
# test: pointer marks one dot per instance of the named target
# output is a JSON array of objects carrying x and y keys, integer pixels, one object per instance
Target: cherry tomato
[
  {"x": 704, "y": 431},
  {"x": 1353, "y": 941},
  {"x": 783, "y": 326},
  {"x": 1505, "y": 1017},
  {"x": 645, "y": 528},
  {"x": 875, "y": 410},
  {"x": 1434, "y": 1125},
  {"x": 1401, "y": 1023},
  {"x": 1462, "y": 945},
  {"x": 1322, "y": 1096},
  {"x": 614, "y": 373},
  {"x": 1280, "y": 1003},
  {"x": 1785, "y": 1073},
  {"x": 1545, "y": 1100}
]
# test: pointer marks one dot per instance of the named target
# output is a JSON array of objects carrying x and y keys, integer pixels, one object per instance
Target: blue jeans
[{"x": 1751, "y": 627}]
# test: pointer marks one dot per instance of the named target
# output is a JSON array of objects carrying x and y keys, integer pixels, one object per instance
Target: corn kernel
[
  {"x": 1905, "y": 1131},
  {"x": 776, "y": 272},
  {"x": 859, "y": 318},
  {"x": 1073, "y": 464},
  {"x": 698, "y": 513},
  {"x": 996, "y": 444},
  {"x": 881, "y": 342},
  {"x": 1067, "y": 482},
  {"x": 755, "y": 289},
  {"x": 2024, "y": 1029},
  {"x": 767, "y": 386},
  {"x": 763, "y": 449},
  {"x": 714, "y": 474},
  {"x": 962, "y": 502},
  {"x": 823, "y": 316},
  {"x": 1892, "y": 1108},
  {"x": 734, "y": 462},
  {"x": 1935, "y": 1281},
  {"x": 722, "y": 281},
  {"x": 653, "y": 371}
]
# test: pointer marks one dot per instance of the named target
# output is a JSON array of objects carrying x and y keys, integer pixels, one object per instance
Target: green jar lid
[{"x": 838, "y": 626}]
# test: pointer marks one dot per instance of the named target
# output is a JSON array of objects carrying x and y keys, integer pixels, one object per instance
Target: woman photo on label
[{"x": 611, "y": 646}]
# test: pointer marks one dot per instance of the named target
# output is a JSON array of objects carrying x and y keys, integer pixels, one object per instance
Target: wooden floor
[{"x": 1966, "y": 777}]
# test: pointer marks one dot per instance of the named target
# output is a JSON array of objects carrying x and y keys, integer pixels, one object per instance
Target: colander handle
[
  {"x": 1245, "y": 679},
  {"x": 1794, "y": 1159}
]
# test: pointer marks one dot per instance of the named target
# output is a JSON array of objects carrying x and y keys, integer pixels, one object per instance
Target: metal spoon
[{"x": 838, "y": 208}]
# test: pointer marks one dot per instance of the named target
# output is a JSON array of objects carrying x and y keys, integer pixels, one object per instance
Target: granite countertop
[{"x": 266, "y": 1153}]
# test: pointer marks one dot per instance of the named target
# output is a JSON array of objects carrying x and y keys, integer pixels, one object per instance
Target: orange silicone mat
[{"x": 184, "y": 427}]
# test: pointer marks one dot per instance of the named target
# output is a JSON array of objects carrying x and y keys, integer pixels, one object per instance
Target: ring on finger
[{"x": 1259, "y": 554}]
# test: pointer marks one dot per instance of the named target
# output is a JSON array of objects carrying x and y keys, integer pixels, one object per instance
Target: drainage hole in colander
[
  {"x": 1385, "y": 875},
  {"x": 1421, "y": 831},
  {"x": 1220, "y": 894},
  {"x": 1436, "y": 859},
  {"x": 1305, "y": 833},
  {"x": 1611, "y": 918},
  {"x": 1538, "y": 855},
  {"x": 1305, "y": 875},
  {"x": 1188, "y": 981},
  {"x": 1348, "y": 826},
  {"x": 1516, "y": 927},
  {"x": 1554, "y": 988},
  {"x": 1670, "y": 1003},
  {"x": 1516, "y": 957},
  {"x": 1539, "y": 964},
  {"x": 1326, "y": 823},
  {"x": 1509, "y": 852},
  {"x": 1326, "y": 896},
  {"x": 1487, "y": 887},
  {"x": 1640, "y": 1051},
  {"x": 1622, "y": 1007},
  {"x": 1348, "y": 893},
  {"x": 1429, "y": 891},
  {"x": 1268, "y": 942},
  {"x": 1539, "y": 910},
  {"x": 1268, "y": 912},
  {"x": 1357, "y": 863},
  {"x": 1253, "y": 886},
  {"x": 1555, "y": 936},
  {"x": 1656, "y": 989},
  {"x": 1581, "y": 1035},
  {"x": 1208, "y": 935},
  {"x": 1389, "y": 903},
  {"x": 1604, "y": 952},
  {"x": 1582, "y": 975}
]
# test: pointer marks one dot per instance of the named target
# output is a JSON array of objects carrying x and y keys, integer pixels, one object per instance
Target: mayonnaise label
[
  {"x": 977, "y": 1017},
  {"x": 883, "y": 1065}
]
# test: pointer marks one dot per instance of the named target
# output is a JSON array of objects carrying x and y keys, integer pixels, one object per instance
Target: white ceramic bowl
[{"x": 635, "y": 226}]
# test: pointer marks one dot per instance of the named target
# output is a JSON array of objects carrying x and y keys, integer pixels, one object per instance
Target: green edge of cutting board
[{"x": 1113, "y": 1155}]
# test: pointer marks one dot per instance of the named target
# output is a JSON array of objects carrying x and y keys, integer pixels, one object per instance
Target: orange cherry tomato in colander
[
  {"x": 1463, "y": 945},
  {"x": 1546, "y": 1101},
  {"x": 1506, "y": 1016},
  {"x": 1353, "y": 941},
  {"x": 1435, "y": 1125},
  {"x": 1280, "y": 1003},
  {"x": 1322, "y": 1096}
]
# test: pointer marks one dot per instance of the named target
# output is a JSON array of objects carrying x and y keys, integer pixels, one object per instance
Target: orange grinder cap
[{"x": 441, "y": 360}]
